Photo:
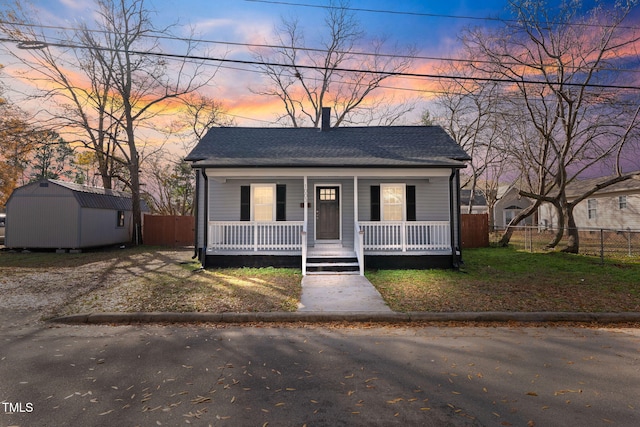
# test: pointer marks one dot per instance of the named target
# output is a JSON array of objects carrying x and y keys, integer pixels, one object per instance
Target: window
[
  {"x": 120, "y": 219},
  {"x": 388, "y": 202},
  {"x": 592, "y": 205},
  {"x": 392, "y": 202},
  {"x": 327, "y": 194},
  {"x": 264, "y": 206},
  {"x": 622, "y": 202},
  {"x": 263, "y": 202},
  {"x": 508, "y": 216}
]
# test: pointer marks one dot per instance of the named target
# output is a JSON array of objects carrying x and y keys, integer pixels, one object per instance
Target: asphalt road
[{"x": 170, "y": 375}]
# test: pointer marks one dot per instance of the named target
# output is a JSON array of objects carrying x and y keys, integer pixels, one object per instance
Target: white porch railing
[
  {"x": 255, "y": 235},
  {"x": 303, "y": 236},
  {"x": 406, "y": 235},
  {"x": 358, "y": 246}
]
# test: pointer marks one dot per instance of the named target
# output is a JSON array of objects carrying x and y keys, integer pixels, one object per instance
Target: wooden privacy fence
[
  {"x": 169, "y": 230},
  {"x": 475, "y": 230}
]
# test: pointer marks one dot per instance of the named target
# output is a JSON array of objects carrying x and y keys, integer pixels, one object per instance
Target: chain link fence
[{"x": 601, "y": 242}]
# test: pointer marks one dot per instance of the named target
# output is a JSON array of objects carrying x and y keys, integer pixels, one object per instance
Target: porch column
[
  {"x": 306, "y": 204},
  {"x": 355, "y": 199}
]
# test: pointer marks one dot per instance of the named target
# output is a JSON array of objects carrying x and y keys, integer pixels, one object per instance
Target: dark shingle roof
[
  {"x": 478, "y": 198},
  {"x": 99, "y": 198},
  {"x": 389, "y": 146}
]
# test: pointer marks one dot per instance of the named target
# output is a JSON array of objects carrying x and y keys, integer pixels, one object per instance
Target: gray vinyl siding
[
  {"x": 201, "y": 219},
  {"x": 455, "y": 220},
  {"x": 224, "y": 198},
  {"x": 432, "y": 197},
  {"x": 224, "y": 202},
  {"x": 432, "y": 200}
]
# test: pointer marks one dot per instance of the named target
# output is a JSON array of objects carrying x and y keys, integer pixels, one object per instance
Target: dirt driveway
[
  {"x": 45, "y": 285},
  {"x": 32, "y": 292}
]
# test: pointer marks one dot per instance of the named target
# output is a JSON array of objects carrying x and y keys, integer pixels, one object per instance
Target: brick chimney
[{"x": 326, "y": 119}]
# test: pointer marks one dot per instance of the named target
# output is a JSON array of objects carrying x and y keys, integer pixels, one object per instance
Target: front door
[{"x": 327, "y": 213}]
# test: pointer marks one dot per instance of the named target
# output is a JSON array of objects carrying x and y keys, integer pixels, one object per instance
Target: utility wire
[
  {"x": 162, "y": 36},
  {"x": 429, "y": 15},
  {"x": 40, "y": 45}
]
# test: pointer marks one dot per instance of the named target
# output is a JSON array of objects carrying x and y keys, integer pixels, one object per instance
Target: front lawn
[{"x": 503, "y": 279}]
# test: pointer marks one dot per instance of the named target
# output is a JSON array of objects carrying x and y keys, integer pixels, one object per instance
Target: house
[
  {"x": 616, "y": 207},
  {"x": 329, "y": 199},
  {"x": 479, "y": 202},
  {"x": 52, "y": 214},
  {"x": 508, "y": 205}
]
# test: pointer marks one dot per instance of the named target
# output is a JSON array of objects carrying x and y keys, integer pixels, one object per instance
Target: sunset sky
[
  {"x": 429, "y": 26},
  {"x": 227, "y": 26}
]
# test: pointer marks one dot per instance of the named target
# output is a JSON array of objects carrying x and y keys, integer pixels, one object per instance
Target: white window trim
[
  {"x": 622, "y": 202},
  {"x": 273, "y": 200},
  {"x": 592, "y": 205},
  {"x": 404, "y": 200}
]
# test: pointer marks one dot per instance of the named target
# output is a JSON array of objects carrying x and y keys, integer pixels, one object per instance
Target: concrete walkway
[{"x": 340, "y": 293}]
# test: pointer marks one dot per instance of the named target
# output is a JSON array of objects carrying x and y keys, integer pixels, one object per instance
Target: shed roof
[
  {"x": 378, "y": 146},
  {"x": 97, "y": 197}
]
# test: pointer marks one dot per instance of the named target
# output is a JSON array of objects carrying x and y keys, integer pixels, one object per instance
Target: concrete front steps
[
  {"x": 335, "y": 265},
  {"x": 331, "y": 259}
]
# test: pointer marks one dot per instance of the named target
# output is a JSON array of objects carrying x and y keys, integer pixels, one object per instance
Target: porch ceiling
[{"x": 248, "y": 173}]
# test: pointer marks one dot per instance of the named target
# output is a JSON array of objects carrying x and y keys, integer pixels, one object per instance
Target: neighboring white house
[
  {"x": 509, "y": 204},
  {"x": 616, "y": 207},
  {"x": 328, "y": 199},
  {"x": 52, "y": 214}
]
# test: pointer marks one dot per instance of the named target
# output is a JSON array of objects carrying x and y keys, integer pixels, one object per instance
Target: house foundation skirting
[
  {"x": 409, "y": 262},
  {"x": 387, "y": 262},
  {"x": 236, "y": 261}
]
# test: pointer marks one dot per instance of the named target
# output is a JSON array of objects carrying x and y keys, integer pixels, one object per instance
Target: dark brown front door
[{"x": 327, "y": 213}]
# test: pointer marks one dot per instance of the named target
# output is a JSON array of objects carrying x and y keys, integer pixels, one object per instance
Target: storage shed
[{"x": 53, "y": 214}]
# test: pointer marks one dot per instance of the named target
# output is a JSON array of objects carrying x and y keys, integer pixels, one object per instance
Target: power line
[
  {"x": 38, "y": 44},
  {"x": 270, "y": 46},
  {"x": 390, "y": 12},
  {"x": 429, "y": 15}
]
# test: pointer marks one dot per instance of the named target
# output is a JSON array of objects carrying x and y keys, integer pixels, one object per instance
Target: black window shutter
[
  {"x": 245, "y": 203},
  {"x": 281, "y": 202},
  {"x": 375, "y": 203},
  {"x": 411, "y": 202}
]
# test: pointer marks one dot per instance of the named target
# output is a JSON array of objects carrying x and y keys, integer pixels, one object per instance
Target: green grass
[
  {"x": 503, "y": 279},
  {"x": 492, "y": 279}
]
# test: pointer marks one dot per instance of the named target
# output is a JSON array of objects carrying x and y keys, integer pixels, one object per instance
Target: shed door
[{"x": 327, "y": 213}]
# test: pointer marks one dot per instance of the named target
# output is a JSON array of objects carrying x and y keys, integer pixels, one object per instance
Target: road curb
[{"x": 365, "y": 316}]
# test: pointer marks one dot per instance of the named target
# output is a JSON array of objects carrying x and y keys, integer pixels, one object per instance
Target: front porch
[
  {"x": 376, "y": 218},
  {"x": 288, "y": 240}
]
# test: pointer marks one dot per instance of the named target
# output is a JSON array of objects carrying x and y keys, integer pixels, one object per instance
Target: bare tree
[
  {"x": 81, "y": 85},
  {"x": 306, "y": 80},
  {"x": 203, "y": 113},
  {"x": 171, "y": 188},
  {"x": 560, "y": 62},
  {"x": 126, "y": 83},
  {"x": 17, "y": 142},
  {"x": 467, "y": 109}
]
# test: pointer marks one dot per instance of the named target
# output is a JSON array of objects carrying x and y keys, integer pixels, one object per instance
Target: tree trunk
[
  {"x": 136, "y": 211},
  {"x": 560, "y": 232},
  {"x": 506, "y": 236},
  {"x": 573, "y": 244}
]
